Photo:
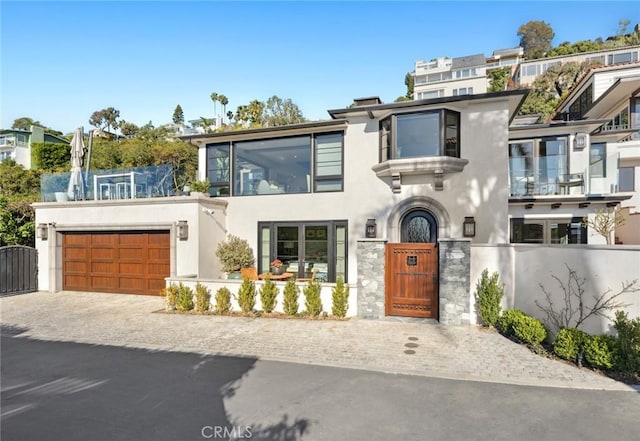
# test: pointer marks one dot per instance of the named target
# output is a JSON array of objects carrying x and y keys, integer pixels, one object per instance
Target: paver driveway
[{"x": 412, "y": 347}]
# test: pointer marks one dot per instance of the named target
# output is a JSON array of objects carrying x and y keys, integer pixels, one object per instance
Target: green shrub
[
  {"x": 290, "y": 298},
  {"x": 247, "y": 296},
  {"x": 529, "y": 330},
  {"x": 569, "y": 344},
  {"x": 505, "y": 322},
  {"x": 600, "y": 351},
  {"x": 489, "y": 293},
  {"x": 184, "y": 299},
  {"x": 268, "y": 295},
  {"x": 170, "y": 294},
  {"x": 340, "y": 298},
  {"x": 234, "y": 254},
  {"x": 313, "y": 302},
  {"x": 223, "y": 301},
  {"x": 203, "y": 298},
  {"x": 628, "y": 345}
]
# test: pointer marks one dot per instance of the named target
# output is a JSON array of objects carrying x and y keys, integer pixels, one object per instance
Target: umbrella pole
[{"x": 86, "y": 174}]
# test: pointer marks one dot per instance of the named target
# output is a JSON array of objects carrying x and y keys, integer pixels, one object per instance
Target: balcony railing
[
  {"x": 129, "y": 183},
  {"x": 562, "y": 185}
]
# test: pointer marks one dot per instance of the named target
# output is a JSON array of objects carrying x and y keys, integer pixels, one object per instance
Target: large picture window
[
  {"x": 305, "y": 248},
  {"x": 296, "y": 164},
  {"x": 537, "y": 166},
  {"x": 424, "y": 134}
]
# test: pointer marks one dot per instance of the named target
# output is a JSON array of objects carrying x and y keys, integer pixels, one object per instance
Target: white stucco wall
[
  {"x": 522, "y": 268},
  {"x": 194, "y": 256},
  {"x": 480, "y": 190}
]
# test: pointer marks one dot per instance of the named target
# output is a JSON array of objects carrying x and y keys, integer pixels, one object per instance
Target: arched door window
[{"x": 419, "y": 226}]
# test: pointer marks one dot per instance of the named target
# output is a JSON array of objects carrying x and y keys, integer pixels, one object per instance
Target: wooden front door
[{"x": 411, "y": 279}]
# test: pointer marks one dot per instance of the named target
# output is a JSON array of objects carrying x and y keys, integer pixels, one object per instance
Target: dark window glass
[
  {"x": 328, "y": 157},
  {"x": 218, "y": 169},
  {"x": 272, "y": 166},
  {"x": 597, "y": 160},
  {"x": 416, "y": 135},
  {"x": 305, "y": 248},
  {"x": 626, "y": 179},
  {"x": 419, "y": 227}
]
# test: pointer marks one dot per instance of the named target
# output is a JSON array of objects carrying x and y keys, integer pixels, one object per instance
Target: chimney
[{"x": 369, "y": 101}]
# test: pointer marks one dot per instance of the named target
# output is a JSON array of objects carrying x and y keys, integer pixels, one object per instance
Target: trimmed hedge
[
  {"x": 517, "y": 324},
  {"x": 569, "y": 343}
]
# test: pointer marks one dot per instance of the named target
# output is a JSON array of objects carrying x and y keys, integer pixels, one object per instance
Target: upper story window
[
  {"x": 626, "y": 178},
  {"x": 597, "y": 160},
  {"x": 463, "y": 91},
  {"x": 625, "y": 57},
  {"x": 581, "y": 104},
  {"x": 431, "y": 94},
  {"x": 295, "y": 164},
  {"x": 538, "y": 166},
  {"x": 412, "y": 135},
  {"x": 466, "y": 73}
]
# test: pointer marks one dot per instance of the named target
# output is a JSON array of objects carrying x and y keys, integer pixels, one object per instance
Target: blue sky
[{"x": 61, "y": 61}]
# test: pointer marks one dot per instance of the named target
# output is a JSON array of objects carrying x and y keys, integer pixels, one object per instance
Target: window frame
[
  {"x": 391, "y": 148},
  {"x": 602, "y": 161},
  {"x": 546, "y": 229},
  {"x": 231, "y": 145},
  {"x": 332, "y": 244},
  {"x": 536, "y": 144}
]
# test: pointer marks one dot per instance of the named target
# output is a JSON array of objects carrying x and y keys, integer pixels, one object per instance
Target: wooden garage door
[{"x": 125, "y": 262}]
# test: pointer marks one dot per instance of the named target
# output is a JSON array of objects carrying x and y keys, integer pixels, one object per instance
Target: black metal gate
[{"x": 18, "y": 270}]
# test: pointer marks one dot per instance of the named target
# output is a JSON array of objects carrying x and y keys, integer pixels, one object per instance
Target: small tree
[
  {"x": 340, "y": 298},
  {"x": 178, "y": 115},
  {"x": 489, "y": 293},
  {"x": 234, "y": 254},
  {"x": 203, "y": 298},
  {"x": 247, "y": 296},
  {"x": 313, "y": 302},
  {"x": 268, "y": 295},
  {"x": 575, "y": 308},
  {"x": 290, "y": 298},
  {"x": 223, "y": 301},
  {"x": 605, "y": 222}
]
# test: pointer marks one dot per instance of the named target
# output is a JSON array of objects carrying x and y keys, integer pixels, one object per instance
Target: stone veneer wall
[
  {"x": 454, "y": 268},
  {"x": 370, "y": 255},
  {"x": 455, "y": 279}
]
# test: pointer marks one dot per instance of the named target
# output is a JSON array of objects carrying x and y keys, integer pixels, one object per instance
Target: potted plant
[
  {"x": 234, "y": 254},
  {"x": 276, "y": 267},
  {"x": 200, "y": 186}
]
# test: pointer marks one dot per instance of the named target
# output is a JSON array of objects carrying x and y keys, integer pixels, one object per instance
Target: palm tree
[
  {"x": 215, "y": 98},
  {"x": 224, "y": 101}
]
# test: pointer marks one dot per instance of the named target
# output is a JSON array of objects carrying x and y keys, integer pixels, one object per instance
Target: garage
[{"x": 128, "y": 262}]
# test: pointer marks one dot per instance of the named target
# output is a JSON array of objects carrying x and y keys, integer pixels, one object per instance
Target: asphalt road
[{"x": 70, "y": 391}]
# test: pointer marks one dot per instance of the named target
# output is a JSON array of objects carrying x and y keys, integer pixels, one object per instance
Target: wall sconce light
[
  {"x": 579, "y": 141},
  {"x": 42, "y": 231},
  {"x": 370, "y": 230},
  {"x": 469, "y": 227},
  {"x": 183, "y": 230}
]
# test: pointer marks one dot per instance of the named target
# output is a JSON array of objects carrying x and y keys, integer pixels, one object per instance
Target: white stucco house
[{"x": 407, "y": 202}]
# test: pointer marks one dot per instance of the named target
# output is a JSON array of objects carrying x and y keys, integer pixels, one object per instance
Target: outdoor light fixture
[
  {"x": 469, "y": 227},
  {"x": 580, "y": 141},
  {"x": 183, "y": 230},
  {"x": 370, "y": 231},
  {"x": 43, "y": 231}
]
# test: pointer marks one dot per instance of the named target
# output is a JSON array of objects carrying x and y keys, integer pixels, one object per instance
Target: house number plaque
[{"x": 412, "y": 260}]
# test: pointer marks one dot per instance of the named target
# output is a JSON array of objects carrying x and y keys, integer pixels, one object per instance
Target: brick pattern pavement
[{"x": 394, "y": 346}]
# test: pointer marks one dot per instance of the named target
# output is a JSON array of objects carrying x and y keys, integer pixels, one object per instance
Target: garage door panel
[
  {"x": 137, "y": 254},
  {"x": 132, "y": 262},
  {"x": 131, "y": 268},
  {"x": 128, "y": 284}
]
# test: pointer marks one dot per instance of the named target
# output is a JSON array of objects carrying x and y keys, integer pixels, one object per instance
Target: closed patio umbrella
[{"x": 76, "y": 182}]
